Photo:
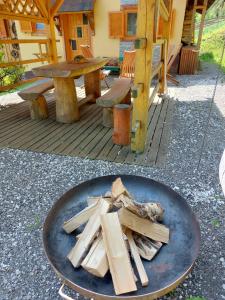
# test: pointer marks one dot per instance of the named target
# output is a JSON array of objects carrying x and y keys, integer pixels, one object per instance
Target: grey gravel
[{"x": 32, "y": 182}]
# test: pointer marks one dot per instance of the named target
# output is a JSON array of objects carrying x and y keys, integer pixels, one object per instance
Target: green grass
[{"x": 212, "y": 44}]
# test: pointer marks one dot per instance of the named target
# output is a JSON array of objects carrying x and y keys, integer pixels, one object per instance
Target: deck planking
[{"x": 86, "y": 138}]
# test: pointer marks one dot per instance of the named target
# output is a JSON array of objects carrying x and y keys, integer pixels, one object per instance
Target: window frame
[
  {"x": 127, "y": 10},
  {"x": 39, "y": 32}
]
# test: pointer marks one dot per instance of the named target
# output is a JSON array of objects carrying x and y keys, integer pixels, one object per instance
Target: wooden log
[
  {"x": 89, "y": 233},
  {"x": 66, "y": 100},
  {"x": 117, "y": 254},
  {"x": 154, "y": 231},
  {"x": 96, "y": 261},
  {"x": 93, "y": 84},
  {"x": 39, "y": 109},
  {"x": 118, "y": 189},
  {"x": 136, "y": 257},
  {"x": 152, "y": 211},
  {"x": 80, "y": 219},
  {"x": 146, "y": 247}
]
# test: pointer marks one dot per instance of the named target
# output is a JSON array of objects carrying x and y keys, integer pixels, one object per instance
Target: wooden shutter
[
  {"x": 26, "y": 26},
  {"x": 116, "y": 24},
  {"x": 3, "y": 32}
]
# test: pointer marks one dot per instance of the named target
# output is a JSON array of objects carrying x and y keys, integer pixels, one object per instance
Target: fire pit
[{"x": 165, "y": 272}]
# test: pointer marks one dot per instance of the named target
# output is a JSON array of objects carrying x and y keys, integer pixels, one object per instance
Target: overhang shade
[{"x": 76, "y": 6}]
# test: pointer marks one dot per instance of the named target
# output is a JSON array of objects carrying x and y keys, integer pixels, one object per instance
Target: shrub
[{"x": 10, "y": 75}]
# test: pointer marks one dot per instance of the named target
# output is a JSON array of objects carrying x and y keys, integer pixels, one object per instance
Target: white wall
[{"x": 101, "y": 43}]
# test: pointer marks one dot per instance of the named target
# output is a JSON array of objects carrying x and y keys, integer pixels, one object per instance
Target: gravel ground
[{"x": 32, "y": 182}]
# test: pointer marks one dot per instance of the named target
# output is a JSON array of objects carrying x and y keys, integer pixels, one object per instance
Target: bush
[{"x": 10, "y": 75}]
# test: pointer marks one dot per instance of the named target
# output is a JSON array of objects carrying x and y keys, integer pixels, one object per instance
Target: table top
[{"x": 70, "y": 69}]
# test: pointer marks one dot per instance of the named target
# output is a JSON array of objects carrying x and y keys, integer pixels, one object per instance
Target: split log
[
  {"x": 117, "y": 254},
  {"x": 136, "y": 257},
  {"x": 89, "y": 233},
  {"x": 118, "y": 189},
  {"x": 96, "y": 261},
  {"x": 146, "y": 247},
  {"x": 80, "y": 219},
  {"x": 154, "y": 231},
  {"x": 152, "y": 211},
  {"x": 93, "y": 200}
]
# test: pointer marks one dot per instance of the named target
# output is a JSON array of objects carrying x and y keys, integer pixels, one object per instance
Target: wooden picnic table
[{"x": 63, "y": 74}]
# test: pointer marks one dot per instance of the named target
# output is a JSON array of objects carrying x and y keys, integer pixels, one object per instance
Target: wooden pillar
[
  {"x": 51, "y": 35},
  {"x": 67, "y": 110},
  {"x": 164, "y": 51},
  {"x": 93, "y": 84},
  {"x": 143, "y": 70},
  {"x": 202, "y": 24}
]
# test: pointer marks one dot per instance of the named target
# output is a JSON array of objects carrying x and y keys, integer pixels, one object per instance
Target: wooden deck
[{"x": 86, "y": 138}]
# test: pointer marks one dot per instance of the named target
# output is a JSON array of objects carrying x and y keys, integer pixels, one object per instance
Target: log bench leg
[
  {"x": 107, "y": 120},
  {"x": 93, "y": 84},
  {"x": 39, "y": 109}
]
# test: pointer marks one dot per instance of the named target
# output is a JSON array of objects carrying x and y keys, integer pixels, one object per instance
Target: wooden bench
[
  {"x": 120, "y": 92},
  {"x": 38, "y": 104}
]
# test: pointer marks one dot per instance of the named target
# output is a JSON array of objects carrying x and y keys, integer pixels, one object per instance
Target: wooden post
[
  {"x": 67, "y": 110},
  {"x": 202, "y": 24},
  {"x": 93, "y": 84},
  {"x": 51, "y": 35},
  {"x": 143, "y": 70},
  {"x": 164, "y": 54}
]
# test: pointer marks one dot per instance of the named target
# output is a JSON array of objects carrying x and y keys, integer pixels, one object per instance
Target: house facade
[{"x": 108, "y": 27}]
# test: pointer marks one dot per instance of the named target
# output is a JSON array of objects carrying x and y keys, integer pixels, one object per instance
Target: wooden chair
[
  {"x": 128, "y": 65},
  {"x": 86, "y": 51}
]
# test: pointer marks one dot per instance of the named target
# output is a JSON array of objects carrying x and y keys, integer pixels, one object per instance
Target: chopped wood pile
[{"x": 117, "y": 225}]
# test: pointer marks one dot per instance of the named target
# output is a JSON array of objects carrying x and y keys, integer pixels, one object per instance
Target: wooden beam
[
  {"x": 22, "y": 62},
  {"x": 143, "y": 70},
  {"x": 96, "y": 261},
  {"x": 42, "y": 8},
  {"x": 154, "y": 231},
  {"x": 12, "y": 16},
  {"x": 56, "y": 7},
  {"x": 88, "y": 235},
  {"x": 202, "y": 24},
  {"x": 136, "y": 257},
  {"x": 117, "y": 254},
  {"x": 164, "y": 13},
  {"x": 80, "y": 218},
  {"x": 24, "y": 41}
]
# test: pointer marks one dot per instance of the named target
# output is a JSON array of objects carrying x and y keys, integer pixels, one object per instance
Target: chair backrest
[
  {"x": 128, "y": 65},
  {"x": 86, "y": 51}
]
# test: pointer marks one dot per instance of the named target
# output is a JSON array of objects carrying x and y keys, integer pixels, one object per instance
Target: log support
[
  {"x": 93, "y": 84},
  {"x": 67, "y": 110},
  {"x": 39, "y": 109}
]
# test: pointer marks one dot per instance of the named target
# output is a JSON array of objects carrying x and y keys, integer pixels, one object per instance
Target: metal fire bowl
[{"x": 165, "y": 272}]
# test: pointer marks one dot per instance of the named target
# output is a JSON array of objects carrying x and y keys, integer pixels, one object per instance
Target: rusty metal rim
[{"x": 96, "y": 296}]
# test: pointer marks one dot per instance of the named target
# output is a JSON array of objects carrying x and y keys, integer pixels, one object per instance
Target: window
[
  {"x": 39, "y": 29},
  {"x": 85, "y": 19},
  {"x": 79, "y": 32},
  {"x": 123, "y": 24},
  {"x": 73, "y": 44},
  {"x": 130, "y": 23}
]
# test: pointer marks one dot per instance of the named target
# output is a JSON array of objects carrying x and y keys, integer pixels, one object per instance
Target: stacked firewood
[{"x": 117, "y": 225}]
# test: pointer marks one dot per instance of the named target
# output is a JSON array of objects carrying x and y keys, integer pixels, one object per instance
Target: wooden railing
[{"x": 42, "y": 56}]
